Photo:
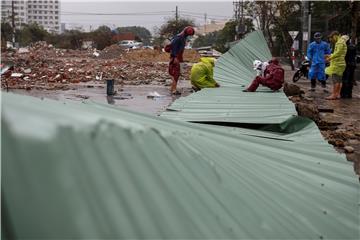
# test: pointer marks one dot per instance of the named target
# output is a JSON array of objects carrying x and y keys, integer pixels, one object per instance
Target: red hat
[{"x": 189, "y": 31}]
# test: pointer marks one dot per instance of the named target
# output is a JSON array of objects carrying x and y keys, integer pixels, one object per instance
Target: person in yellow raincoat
[
  {"x": 202, "y": 74},
  {"x": 337, "y": 63}
]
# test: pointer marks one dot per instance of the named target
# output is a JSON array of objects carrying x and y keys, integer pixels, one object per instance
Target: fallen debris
[
  {"x": 154, "y": 94},
  {"x": 44, "y": 65},
  {"x": 17, "y": 75},
  {"x": 349, "y": 149}
]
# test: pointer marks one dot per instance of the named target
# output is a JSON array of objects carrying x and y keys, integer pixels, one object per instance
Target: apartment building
[{"x": 45, "y": 13}]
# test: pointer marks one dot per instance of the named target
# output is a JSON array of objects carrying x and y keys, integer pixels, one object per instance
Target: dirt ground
[{"x": 338, "y": 120}]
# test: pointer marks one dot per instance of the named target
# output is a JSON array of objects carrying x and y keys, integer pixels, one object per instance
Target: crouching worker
[
  {"x": 272, "y": 76},
  {"x": 202, "y": 74}
]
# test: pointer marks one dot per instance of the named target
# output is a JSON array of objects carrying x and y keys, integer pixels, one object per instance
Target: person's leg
[
  {"x": 336, "y": 80},
  {"x": 321, "y": 75},
  {"x": 312, "y": 76},
  {"x": 338, "y": 90},
  {"x": 174, "y": 71},
  {"x": 254, "y": 85},
  {"x": 173, "y": 84},
  {"x": 345, "y": 83}
]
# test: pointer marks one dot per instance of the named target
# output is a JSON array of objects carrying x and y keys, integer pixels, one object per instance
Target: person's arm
[
  {"x": 327, "y": 49},
  {"x": 340, "y": 51}
]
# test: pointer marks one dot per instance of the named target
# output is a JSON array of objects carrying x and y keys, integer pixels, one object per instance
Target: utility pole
[
  {"x": 205, "y": 24},
  {"x": 238, "y": 14},
  {"x": 176, "y": 18},
  {"x": 241, "y": 25},
  {"x": 305, "y": 25},
  {"x": 13, "y": 22},
  {"x": 309, "y": 21}
]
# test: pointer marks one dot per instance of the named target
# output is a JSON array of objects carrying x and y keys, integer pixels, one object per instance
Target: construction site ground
[{"x": 142, "y": 85}]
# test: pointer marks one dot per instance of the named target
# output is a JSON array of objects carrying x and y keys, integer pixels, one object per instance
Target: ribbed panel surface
[
  {"x": 235, "y": 67},
  {"x": 230, "y": 104},
  {"x": 91, "y": 171}
]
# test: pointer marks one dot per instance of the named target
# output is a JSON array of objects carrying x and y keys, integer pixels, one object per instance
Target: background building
[{"x": 45, "y": 13}]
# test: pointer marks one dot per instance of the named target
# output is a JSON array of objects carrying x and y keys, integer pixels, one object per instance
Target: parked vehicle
[
  {"x": 303, "y": 71},
  {"x": 130, "y": 44}
]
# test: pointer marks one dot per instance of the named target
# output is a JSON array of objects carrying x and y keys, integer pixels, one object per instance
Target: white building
[{"x": 45, "y": 13}]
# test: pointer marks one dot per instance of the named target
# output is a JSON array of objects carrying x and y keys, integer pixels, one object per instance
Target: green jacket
[
  {"x": 337, "y": 60},
  {"x": 202, "y": 73}
]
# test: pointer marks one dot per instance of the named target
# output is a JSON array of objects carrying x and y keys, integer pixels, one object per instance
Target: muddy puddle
[{"x": 151, "y": 99}]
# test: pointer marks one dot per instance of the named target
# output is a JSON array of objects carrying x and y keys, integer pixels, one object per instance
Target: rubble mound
[
  {"x": 156, "y": 55},
  {"x": 113, "y": 51},
  {"x": 41, "y": 45}
]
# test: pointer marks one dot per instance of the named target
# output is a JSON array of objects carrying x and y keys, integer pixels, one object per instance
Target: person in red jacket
[
  {"x": 272, "y": 78},
  {"x": 176, "y": 55}
]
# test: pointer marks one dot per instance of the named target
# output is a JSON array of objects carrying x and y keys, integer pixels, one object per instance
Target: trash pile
[{"x": 42, "y": 66}]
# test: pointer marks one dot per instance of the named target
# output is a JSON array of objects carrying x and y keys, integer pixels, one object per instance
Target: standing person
[
  {"x": 337, "y": 63},
  {"x": 177, "y": 47},
  {"x": 273, "y": 77},
  {"x": 316, "y": 54},
  {"x": 348, "y": 77}
]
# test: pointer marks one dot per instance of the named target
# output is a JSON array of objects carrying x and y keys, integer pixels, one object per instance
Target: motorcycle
[{"x": 303, "y": 71}]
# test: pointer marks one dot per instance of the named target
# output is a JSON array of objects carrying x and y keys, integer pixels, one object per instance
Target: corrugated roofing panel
[
  {"x": 81, "y": 171},
  {"x": 235, "y": 67},
  {"x": 230, "y": 104}
]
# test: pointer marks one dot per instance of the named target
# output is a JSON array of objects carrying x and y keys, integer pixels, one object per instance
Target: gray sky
[{"x": 195, "y": 10}]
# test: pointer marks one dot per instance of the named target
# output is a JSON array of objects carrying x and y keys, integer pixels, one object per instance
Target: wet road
[{"x": 134, "y": 98}]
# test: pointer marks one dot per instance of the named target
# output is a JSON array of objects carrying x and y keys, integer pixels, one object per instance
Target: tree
[
  {"x": 173, "y": 27},
  {"x": 31, "y": 33},
  {"x": 141, "y": 32},
  {"x": 101, "y": 37},
  {"x": 6, "y": 33},
  {"x": 206, "y": 40},
  {"x": 219, "y": 39}
]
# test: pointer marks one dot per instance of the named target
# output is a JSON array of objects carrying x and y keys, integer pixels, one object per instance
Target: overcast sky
[{"x": 147, "y": 12}]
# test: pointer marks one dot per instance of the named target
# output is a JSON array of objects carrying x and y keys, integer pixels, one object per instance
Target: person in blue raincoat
[{"x": 316, "y": 53}]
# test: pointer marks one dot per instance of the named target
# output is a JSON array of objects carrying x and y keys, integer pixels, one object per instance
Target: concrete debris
[
  {"x": 96, "y": 54},
  {"x": 154, "y": 95},
  {"x": 349, "y": 149},
  {"x": 113, "y": 51},
  {"x": 50, "y": 68},
  {"x": 27, "y": 71},
  {"x": 5, "y": 68},
  {"x": 23, "y": 50},
  {"x": 292, "y": 90},
  {"x": 17, "y": 75},
  {"x": 307, "y": 110}
]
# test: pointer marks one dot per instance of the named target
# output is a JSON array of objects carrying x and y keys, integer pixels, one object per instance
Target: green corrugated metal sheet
[
  {"x": 235, "y": 66},
  {"x": 230, "y": 104},
  {"x": 92, "y": 171}
]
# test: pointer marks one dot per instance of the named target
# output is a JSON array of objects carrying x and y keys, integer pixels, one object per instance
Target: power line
[{"x": 118, "y": 14}]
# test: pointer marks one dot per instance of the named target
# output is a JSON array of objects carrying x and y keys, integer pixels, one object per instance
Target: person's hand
[{"x": 327, "y": 58}]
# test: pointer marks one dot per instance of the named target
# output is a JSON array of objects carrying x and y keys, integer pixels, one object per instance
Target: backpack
[
  {"x": 168, "y": 45},
  {"x": 168, "y": 48}
]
